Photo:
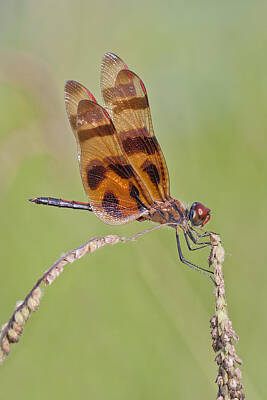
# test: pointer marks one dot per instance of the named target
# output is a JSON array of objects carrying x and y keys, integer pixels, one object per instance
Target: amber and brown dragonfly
[{"x": 122, "y": 166}]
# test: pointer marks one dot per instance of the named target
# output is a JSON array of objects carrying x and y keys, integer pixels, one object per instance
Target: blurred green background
[{"x": 131, "y": 321}]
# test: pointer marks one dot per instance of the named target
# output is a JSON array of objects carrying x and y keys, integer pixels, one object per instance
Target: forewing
[
  {"x": 110, "y": 67},
  {"x": 126, "y": 100},
  {"x": 114, "y": 190},
  {"x": 74, "y": 92}
]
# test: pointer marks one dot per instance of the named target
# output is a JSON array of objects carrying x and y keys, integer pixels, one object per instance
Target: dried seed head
[
  {"x": 219, "y": 380},
  {"x": 221, "y": 291},
  {"x": 25, "y": 312},
  {"x": 17, "y": 328},
  {"x": 70, "y": 258},
  {"x": 224, "y": 391},
  {"x": 238, "y": 360},
  {"x": 220, "y": 304},
  {"x": 214, "y": 333},
  {"x": 18, "y": 304},
  {"x": 219, "y": 358},
  {"x": 33, "y": 303},
  {"x": 19, "y": 318},
  {"x": 220, "y": 254},
  {"x": 216, "y": 345},
  {"x": 53, "y": 274},
  {"x": 12, "y": 335},
  {"x": 228, "y": 363},
  {"x": 5, "y": 346},
  {"x": 229, "y": 376},
  {"x": 37, "y": 293},
  {"x": 48, "y": 280},
  {"x": 3, "y": 327},
  {"x": 225, "y": 376},
  {"x": 238, "y": 374},
  {"x": 232, "y": 384},
  {"x": 2, "y": 356},
  {"x": 11, "y": 331},
  {"x": 213, "y": 322}
]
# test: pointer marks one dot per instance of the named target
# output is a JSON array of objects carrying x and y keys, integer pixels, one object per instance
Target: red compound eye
[{"x": 199, "y": 215}]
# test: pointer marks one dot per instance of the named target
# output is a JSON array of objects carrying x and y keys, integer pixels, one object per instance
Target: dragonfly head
[{"x": 199, "y": 215}]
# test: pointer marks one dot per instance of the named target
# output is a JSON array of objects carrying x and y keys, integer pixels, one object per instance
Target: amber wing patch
[
  {"x": 115, "y": 192},
  {"x": 74, "y": 92},
  {"x": 110, "y": 67},
  {"x": 126, "y": 100}
]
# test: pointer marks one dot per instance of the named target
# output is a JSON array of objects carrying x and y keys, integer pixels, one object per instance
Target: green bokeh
[{"x": 131, "y": 321}]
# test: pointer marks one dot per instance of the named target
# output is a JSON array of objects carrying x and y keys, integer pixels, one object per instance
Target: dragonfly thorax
[
  {"x": 170, "y": 211},
  {"x": 173, "y": 211}
]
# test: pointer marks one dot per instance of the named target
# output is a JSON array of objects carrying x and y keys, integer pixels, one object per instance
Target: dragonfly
[{"x": 123, "y": 169}]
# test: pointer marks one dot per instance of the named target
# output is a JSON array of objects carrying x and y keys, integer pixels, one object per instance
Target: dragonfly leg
[
  {"x": 194, "y": 240},
  {"x": 188, "y": 263},
  {"x": 200, "y": 245},
  {"x": 200, "y": 236}
]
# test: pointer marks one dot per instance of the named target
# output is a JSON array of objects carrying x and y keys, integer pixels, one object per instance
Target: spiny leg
[
  {"x": 200, "y": 236},
  {"x": 194, "y": 240},
  {"x": 51, "y": 201},
  {"x": 200, "y": 245},
  {"x": 188, "y": 263}
]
